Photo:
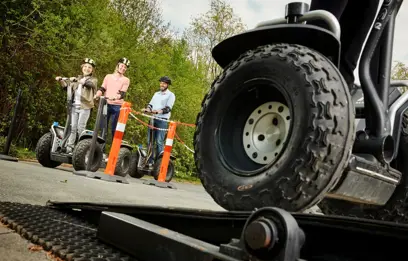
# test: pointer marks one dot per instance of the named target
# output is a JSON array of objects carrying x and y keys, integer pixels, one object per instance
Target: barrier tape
[
  {"x": 125, "y": 111},
  {"x": 148, "y": 125},
  {"x": 182, "y": 142},
  {"x": 160, "y": 119}
]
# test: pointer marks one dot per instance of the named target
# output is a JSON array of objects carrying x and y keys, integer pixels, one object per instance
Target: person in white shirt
[{"x": 160, "y": 105}]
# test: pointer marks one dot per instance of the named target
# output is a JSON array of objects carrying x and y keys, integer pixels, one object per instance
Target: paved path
[
  {"x": 27, "y": 182},
  {"x": 14, "y": 248},
  {"x": 30, "y": 183}
]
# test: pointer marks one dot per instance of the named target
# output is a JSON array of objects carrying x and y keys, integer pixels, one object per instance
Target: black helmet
[
  {"x": 124, "y": 61},
  {"x": 90, "y": 61},
  {"x": 165, "y": 79}
]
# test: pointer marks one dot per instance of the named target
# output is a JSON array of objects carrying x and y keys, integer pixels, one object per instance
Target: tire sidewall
[
  {"x": 80, "y": 151},
  {"x": 123, "y": 154},
  {"x": 318, "y": 143},
  {"x": 290, "y": 83},
  {"x": 46, "y": 138},
  {"x": 170, "y": 170},
  {"x": 133, "y": 168}
]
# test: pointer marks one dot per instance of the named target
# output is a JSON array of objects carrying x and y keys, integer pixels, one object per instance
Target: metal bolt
[{"x": 259, "y": 235}]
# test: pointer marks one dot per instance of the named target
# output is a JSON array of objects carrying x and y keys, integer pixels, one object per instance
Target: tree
[
  {"x": 400, "y": 72},
  {"x": 143, "y": 17},
  {"x": 209, "y": 29}
]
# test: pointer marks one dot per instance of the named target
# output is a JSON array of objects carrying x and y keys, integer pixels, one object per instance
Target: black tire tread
[
  {"x": 332, "y": 103},
  {"x": 169, "y": 175},
  {"x": 78, "y": 156},
  {"x": 43, "y": 151},
  {"x": 133, "y": 171},
  {"x": 123, "y": 152}
]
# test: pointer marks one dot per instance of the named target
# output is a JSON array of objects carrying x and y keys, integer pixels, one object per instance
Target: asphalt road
[
  {"x": 27, "y": 182},
  {"x": 30, "y": 183}
]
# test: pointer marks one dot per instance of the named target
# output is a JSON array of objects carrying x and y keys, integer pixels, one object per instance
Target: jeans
[
  {"x": 158, "y": 137},
  {"x": 355, "y": 18},
  {"x": 79, "y": 119},
  {"x": 113, "y": 112}
]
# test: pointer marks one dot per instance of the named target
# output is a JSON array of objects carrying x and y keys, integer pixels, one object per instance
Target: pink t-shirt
[{"x": 113, "y": 84}]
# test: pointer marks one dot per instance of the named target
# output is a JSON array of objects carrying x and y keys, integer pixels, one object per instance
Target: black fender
[
  {"x": 172, "y": 157},
  {"x": 125, "y": 145},
  {"x": 314, "y": 37},
  {"x": 89, "y": 136}
]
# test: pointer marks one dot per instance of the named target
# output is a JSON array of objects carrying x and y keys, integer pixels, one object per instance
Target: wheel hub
[{"x": 265, "y": 132}]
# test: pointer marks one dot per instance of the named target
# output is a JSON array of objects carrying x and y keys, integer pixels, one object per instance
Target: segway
[
  {"x": 139, "y": 161},
  {"x": 278, "y": 125},
  {"x": 51, "y": 148}
]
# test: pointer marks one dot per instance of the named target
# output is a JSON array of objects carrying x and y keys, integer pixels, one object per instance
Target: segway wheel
[
  {"x": 133, "y": 169},
  {"x": 275, "y": 129},
  {"x": 43, "y": 151},
  {"x": 170, "y": 170},
  {"x": 81, "y": 154},
  {"x": 123, "y": 163}
]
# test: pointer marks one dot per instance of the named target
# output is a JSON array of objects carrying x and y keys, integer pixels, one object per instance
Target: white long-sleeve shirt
[{"x": 162, "y": 99}]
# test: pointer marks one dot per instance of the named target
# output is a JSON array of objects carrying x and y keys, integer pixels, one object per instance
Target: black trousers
[{"x": 355, "y": 18}]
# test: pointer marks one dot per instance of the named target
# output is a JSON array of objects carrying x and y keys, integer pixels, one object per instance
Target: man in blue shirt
[{"x": 160, "y": 105}]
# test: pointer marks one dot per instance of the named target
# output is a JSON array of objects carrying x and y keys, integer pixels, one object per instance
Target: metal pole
[
  {"x": 12, "y": 124},
  {"x": 95, "y": 132}
]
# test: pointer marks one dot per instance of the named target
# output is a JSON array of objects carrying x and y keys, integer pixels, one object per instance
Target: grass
[{"x": 25, "y": 154}]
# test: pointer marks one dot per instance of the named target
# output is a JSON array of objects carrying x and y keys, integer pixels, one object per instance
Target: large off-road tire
[
  {"x": 170, "y": 170},
  {"x": 133, "y": 170},
  {"x": 275, "y": 129},
  {"x": 123, "y": 163},
  {"x": 81, "y": 153},
  {"x": 43, "y": 151},
  {"x": 395, "y": 209}
]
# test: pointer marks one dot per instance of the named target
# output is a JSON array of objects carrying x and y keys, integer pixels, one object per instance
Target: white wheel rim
[{"x": 265, "y": 132}]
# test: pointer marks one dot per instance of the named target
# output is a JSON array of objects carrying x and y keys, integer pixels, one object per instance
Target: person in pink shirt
[{"x": 114, "y": 87}]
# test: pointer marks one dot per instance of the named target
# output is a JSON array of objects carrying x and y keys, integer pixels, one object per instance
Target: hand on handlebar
[
  {"x": 72, "y": 79},
  {"x": 151, "y": 111},
  {"x": 96, "y": 97}
]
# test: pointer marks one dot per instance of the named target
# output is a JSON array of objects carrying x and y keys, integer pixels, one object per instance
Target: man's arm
[
  {"x": 169, "y": 105},
  {"x": 149, "y": 106}
]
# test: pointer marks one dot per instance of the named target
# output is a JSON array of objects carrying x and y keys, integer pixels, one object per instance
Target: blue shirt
[{"x": 162, "y": 99}]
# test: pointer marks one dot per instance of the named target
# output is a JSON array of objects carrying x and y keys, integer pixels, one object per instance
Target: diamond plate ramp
[{"x": 66, "y": 235}]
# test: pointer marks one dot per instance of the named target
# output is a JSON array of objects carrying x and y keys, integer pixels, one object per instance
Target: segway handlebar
[
  {"x": 69, "y": 79},
  {"x": 106, "y": 98}
]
